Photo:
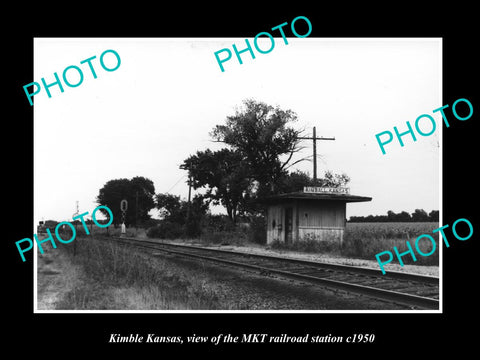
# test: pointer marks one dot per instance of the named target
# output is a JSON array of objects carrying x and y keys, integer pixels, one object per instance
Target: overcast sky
[{"x": 159, "y": 106}]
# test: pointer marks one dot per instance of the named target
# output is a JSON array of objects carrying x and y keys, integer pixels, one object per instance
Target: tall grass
[
  {"x": 308, "y": 244},
  {"x": 123, "y": 278},
  {"x": 237, "y": 237},
  {"x": 361, "y": 240},
  {"x": 365, "y": 240}
]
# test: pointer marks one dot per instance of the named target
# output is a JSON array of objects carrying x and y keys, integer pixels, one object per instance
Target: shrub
[
  {"x": 166, "y": 230},
  {"x": 150, "y": 223},
  {"x": 218, "y": 222},
  {"x": 219, "y": 229},
  {"x": 235, "y": 237}
]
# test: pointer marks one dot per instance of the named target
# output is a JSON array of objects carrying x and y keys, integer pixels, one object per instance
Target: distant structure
[{"x": 317, "y": 212}]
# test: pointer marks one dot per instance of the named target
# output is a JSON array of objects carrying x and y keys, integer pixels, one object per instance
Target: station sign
[{"x": 325, "y": 190}]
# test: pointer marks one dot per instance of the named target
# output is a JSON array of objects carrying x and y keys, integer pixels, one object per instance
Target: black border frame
[{"x": 408, "y": 334}]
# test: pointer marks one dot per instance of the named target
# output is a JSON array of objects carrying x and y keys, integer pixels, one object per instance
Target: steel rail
[
  {"x": 390, "y": 295},
  {"x": 359, "y": 270}
]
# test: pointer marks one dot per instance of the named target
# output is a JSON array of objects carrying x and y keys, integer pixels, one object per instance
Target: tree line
[{"x": 419, "y": 215}]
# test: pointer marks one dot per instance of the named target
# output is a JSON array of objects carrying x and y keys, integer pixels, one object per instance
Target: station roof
[{"x": 316, "y": 197}]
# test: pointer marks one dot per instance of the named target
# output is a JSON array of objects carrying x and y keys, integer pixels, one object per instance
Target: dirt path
[{"x": 56, "y": 276}]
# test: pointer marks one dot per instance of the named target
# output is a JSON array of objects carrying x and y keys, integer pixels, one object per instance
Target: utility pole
[
  {"x": 315, "y": 138},
  {"x": 189, "y": 196}
]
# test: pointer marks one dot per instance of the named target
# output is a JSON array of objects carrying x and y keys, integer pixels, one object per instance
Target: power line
[
  {"x": 183, "y": 176},
  {"x": 314, "y": 138}
]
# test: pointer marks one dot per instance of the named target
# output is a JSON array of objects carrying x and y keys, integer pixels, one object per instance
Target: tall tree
[
  {"x": 225, "y": 177},
  {"x": 262, "y": 135},
  {"x": 295, "y": 181},
  {"x": 171, "y": 208},
  {"x": 138, "y": 192},
  {"x": 188, "y": 215},
  {"x": 262, "y": 145},
  {"x": 334, "y": 180}
]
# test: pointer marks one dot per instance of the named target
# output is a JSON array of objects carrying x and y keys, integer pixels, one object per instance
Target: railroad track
[{"x": 412, "y": 290}]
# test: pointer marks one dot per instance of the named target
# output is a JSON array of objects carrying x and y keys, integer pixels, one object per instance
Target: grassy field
[
  {"x": 107, "y": 276},
  {"x": 113, "y": 277},
  {"x": 361, "y": 240},
  {"x": 118, "y": 278},
  {"x": 365, "y": 240}
]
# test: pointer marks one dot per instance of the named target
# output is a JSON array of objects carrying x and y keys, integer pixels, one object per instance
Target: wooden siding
[
  {"x": 324, "y": 220},
  {"x": 328, "y": 214},
  {"x": 321, "y": 234}
]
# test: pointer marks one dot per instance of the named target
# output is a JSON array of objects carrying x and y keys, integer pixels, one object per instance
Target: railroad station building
[{"x": 316, "y": 212}]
